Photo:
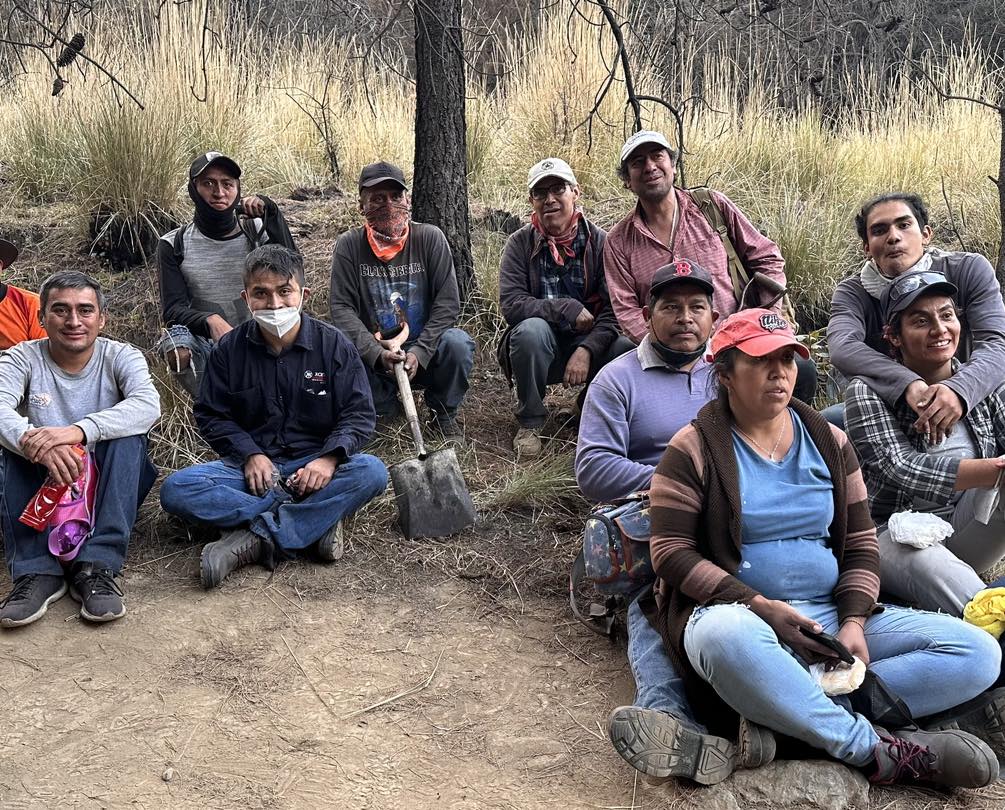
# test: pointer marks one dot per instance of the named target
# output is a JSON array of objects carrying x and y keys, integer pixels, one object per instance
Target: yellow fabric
[{"x": 987, "y": 611}]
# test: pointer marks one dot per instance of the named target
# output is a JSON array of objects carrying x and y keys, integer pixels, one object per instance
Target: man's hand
[
  {"x": 411, "y": 365},
  {"x": 35, "y": 443},
  {"x": 63, "y": 464},
  {"x": 584, "y": 321},
  {"x": 785, "y": 620},
  {"x": 388, "y": 357},
  {"x": 852, "y": 635},
  {"x": 218, "y": 327},
  {"x": 253, "y": 206},
  {"x": 258, "y": 474},
  {"x": 938, "y": 407},
  {"x": 314, "y": 476},
  {"x": 578, "y": 367}
]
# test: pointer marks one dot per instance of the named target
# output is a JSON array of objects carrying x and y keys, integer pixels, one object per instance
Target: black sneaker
[
  {"x": 235, "y": 549},
  {"x": 30, "y": 598},
  {"x": 331, "y": 546},
  {"x": 448, "y": 428},
  {"x": 756, "y": 745},
  {"x": 661, "y": 746},
  {"x": 98, "y": 593}
]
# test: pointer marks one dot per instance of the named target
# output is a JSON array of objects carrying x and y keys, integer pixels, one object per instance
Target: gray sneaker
[
  {"x": 948, "y": 758},
  {"x": 332, "y": 545},
  {"x": 30, "y": 598},
  {"x": 661, "y": 746},
  {"x": 237, "y": 548},
  {"x": 98, "y": 593}
]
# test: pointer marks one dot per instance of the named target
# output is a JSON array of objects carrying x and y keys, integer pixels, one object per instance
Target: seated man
[
  {"x": 286, "y": 404},
  {"x": 553, "y": 296},
  {"x": 393, "y": 272},
  {"x": 895, "y": 235},
  {"x": 201, "y": 263},
  {"x": 72, "y": 390},
  {"x": 625, "y": 427},
  {"x": 18, "y": 308},
  {"x": 670, "y": 223}
]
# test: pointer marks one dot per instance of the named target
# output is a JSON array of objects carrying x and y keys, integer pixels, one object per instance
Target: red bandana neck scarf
[
  {"x": 560, "y": 246},
  {"x": 387, "y": 230}
]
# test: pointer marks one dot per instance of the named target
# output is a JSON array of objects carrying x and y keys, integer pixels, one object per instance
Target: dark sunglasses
[
  {"x": 542, "y": 192},
  {"x": 908, "y": 284}
]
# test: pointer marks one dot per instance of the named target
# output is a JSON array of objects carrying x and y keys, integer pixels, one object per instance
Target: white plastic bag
[{"x": 918, "y": 529}]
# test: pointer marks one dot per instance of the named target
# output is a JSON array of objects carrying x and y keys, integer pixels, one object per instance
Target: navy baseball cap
[
  {"x": 683, "y": 271},
  {"x": 905, "y": 289}
]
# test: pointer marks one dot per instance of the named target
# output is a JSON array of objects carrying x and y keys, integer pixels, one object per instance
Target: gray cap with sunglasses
[
  {"x": 550, "y": 167},
  {"x": 904, "y": 289}
]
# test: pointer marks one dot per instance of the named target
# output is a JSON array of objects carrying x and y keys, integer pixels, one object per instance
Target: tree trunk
[{"x": 440, "y": 181}]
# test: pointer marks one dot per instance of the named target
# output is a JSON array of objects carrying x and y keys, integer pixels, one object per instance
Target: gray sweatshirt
[{"x": 110, "y": 398}]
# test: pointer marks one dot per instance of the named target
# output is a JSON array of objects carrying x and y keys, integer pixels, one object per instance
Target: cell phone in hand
[{"x": 831, "y": 643}]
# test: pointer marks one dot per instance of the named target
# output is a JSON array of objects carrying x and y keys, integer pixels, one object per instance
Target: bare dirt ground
[{"x": 426, "y": 674}]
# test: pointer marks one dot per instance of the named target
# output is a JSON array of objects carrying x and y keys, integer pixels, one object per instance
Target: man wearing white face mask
[{"x": 287, "y": 405}]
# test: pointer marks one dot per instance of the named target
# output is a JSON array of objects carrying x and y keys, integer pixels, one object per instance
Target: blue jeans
[
  {"x": 834, "y": 414},
  {"x": 657, "y": 684},
  {"x": 931, "y": 661},
  {"x": 125, "y": 476},
  {"x": 538, "y": 355},
  {"x": 215, "y": 493},
  {"x": 444, "y": 380}
]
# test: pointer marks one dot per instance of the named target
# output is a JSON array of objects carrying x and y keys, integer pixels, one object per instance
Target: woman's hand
[
  {"x": 785, "y": 620},
  {"x": 852, "y": 635}
]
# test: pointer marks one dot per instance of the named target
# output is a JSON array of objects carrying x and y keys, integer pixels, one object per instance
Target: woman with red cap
[{"x": 761, "y": 538}]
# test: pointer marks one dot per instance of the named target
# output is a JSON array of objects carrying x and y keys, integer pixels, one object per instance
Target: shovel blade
[{"x": 432, "y": 498}]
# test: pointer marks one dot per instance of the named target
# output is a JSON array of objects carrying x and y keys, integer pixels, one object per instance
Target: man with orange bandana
[
  {"x": 18, "y": 308},
  {"x": 392, "y": 272}
]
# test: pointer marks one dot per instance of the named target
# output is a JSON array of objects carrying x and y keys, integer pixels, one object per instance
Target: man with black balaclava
[
  {"x": 633, "y": 407},
  {"x": 391, "y": 273},
  {"x": 201, "y": 264}
]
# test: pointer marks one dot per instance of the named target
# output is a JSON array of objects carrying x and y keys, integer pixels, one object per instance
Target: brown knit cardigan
[{"x": 696, "y": 540}]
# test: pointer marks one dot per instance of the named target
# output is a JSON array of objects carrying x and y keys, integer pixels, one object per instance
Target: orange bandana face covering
[{"x": 387, "y": 230}]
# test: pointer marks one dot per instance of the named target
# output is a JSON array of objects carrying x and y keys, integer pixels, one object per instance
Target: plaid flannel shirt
[{"x": 896, "y": 467}]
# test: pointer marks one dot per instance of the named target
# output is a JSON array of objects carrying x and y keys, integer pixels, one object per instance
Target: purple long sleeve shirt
[{"x": 633, "y": 407}]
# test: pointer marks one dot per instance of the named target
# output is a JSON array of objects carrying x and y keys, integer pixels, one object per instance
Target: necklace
[{"x": 778, "y": 441}]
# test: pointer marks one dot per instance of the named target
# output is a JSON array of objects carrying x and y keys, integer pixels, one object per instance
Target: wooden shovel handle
[{"x": 408, "y": 401}]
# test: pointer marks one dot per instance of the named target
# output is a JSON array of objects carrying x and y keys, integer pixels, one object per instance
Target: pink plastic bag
[{"x": 72, "y": 521}]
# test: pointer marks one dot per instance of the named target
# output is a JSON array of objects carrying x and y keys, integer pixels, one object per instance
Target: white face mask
[{"x": 278, "y": 321}]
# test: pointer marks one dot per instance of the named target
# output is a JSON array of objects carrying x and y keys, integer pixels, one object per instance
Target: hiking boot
[
  {"x": 332, "y": 545},
  {"x": 661, "y": 746},
  {"x": 984, "y": 717},
  {"x": 527, "y": 442},
  {"x": 237, "y": 548},
  {"x": 951, "y": 758},
  {"x": 755, "y": 745},
  {"x": 98, "y": 593},
  {"x": 30, "y": 598},
  {"x": 448, "y": 428}
]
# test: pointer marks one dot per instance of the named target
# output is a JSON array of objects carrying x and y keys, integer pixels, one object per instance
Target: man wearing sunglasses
[
  {"x": 553, "y": 295},
  {"x": 896, "y": 238}
]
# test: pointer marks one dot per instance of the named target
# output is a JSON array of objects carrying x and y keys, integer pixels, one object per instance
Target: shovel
[{"x": 432, "y": 498}]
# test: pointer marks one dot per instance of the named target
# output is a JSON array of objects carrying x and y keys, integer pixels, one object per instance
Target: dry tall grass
[{"x": 798, "y": 176}]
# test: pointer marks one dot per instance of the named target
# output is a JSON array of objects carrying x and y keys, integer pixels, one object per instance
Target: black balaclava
[
  {"x": 672, "y": 357},
  {"x": 214, "y": 224}
]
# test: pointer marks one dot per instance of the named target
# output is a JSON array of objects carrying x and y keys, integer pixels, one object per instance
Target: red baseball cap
[{"x": 756, "y": 332}]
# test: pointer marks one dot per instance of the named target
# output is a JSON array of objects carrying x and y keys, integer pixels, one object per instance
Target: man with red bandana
[
  {"x": 391, "y": 271},
  {"x": 553, "y": 295},
  {"x": 18, "y": 308}
]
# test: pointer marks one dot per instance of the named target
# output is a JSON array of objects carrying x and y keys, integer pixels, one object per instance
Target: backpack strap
[
  {"x": 179, "y": 243},
  {"x": 738, "y": 274}
]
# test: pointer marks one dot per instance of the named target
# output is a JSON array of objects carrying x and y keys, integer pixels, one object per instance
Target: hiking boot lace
[
  {"x": 22, "y": 588},
  {"x": 249, "y": 551},
  {"x": 909, "y": 759}
]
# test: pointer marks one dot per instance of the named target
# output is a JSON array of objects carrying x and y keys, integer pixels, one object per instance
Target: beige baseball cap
[{"x": 550, "y": 167}]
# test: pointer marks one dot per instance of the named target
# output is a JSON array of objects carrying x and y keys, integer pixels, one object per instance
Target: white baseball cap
[
  {"x": 550, "y": 167},
  {"x": 641, "y": 137}
]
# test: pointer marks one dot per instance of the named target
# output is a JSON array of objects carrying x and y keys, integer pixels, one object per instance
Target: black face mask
[
  {"x": 672, "y": 357},
  {"x": 214, "y": 224}
]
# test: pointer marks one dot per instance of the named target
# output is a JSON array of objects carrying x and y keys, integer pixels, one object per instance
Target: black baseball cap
[
  {"x": 683, "y": 271},
  {"x": 380, "y": 172},
  {"x": 8, "y": 253},
  {"x": 904, "y": 289},
  {"x": 203, "y": 162}
]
